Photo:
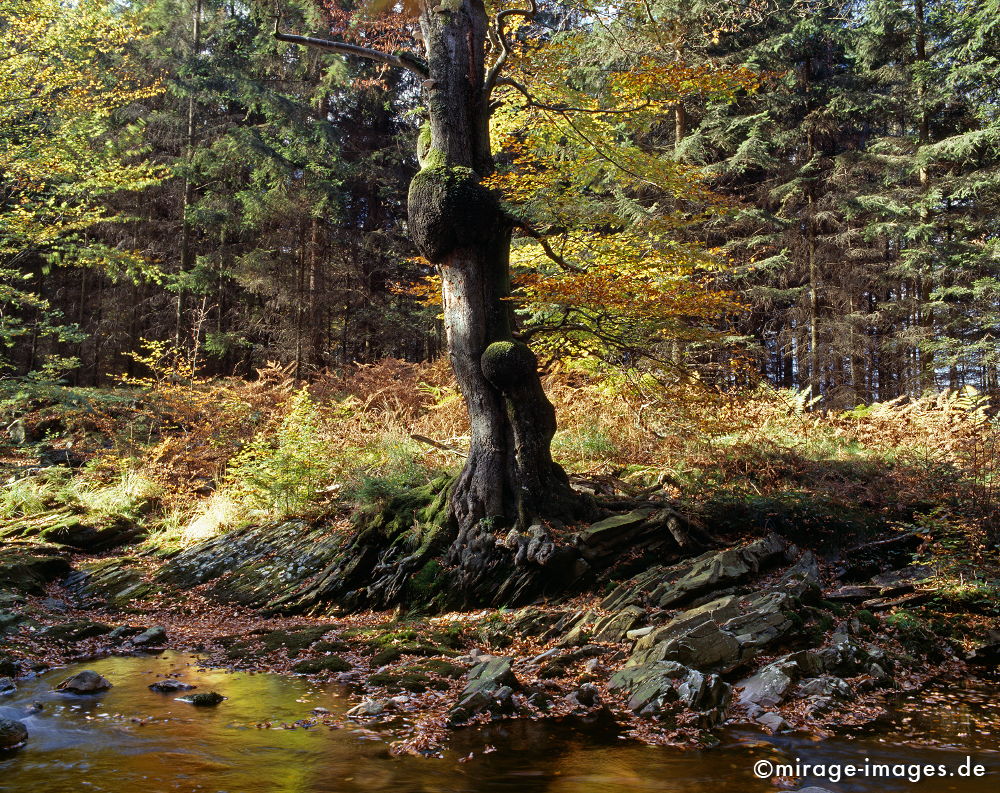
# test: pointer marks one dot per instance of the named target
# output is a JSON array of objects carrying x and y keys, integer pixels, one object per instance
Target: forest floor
[{"x": 826, "y": 563}]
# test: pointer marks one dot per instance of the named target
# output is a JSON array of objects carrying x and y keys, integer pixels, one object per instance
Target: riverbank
[{"x": 761, "y": 633}]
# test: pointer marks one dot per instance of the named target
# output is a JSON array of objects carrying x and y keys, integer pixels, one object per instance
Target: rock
[
  {"x": 766, "y": 619},
  {"x": 206, "y": 699},
  {"x": 123, "y": 632},
  {"x": 803, "y": 579},
  {"x": 367, "y": 708},
  {"x": 638, "y": 633},
  {"x": 153, "y": 637},
  {"x": 704, "y": 646},
  {"x": 8, "y": 666},
  {"x": 324, "y": 663},
  {"x": 76, "y": 631},
  {"x": 614, "y": 627},
  {"x": 68, "y": 528},
  {"x": 825, "y": 686},
  {"x": 7, "y": 687},
  {"x": 117, "y": 582},
  {"x": 85, "y": 682},
  {"x": 12, "y": 733},
  {"x": 488, "y": 680},
  {"x": 321, "y": 711},
  {"x": 29, "y": 570},
  {"x": 11, "y": 621},
  {"x": 986, "y": 653},
  {"x": 559, "y": 666},
  {"x": 653, "y": 690},
  {"x": 720, "y": 569},
  {"x": 666, "y": 587},
  {"x": 170, "y": 685},
  {"x": 768, "y": 687},
  {"x": 773, "y": 722},
  {"x": 716, "y": 610},
  {"x": 586, "y": 696}
]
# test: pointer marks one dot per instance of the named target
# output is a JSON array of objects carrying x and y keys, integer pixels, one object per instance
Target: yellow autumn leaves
[{"x": 64, "y": 69}]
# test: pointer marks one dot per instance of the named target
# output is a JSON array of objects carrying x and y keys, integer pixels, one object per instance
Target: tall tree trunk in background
[
  {"x": 188, "y": 198},
  {"x": 510, "y": 478}
]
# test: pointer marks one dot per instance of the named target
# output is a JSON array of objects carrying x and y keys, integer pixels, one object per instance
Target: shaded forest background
[{"x": 857, "y": 235}]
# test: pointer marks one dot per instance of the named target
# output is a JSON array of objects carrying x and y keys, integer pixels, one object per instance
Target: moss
[
  {"x": 334, "y": 646},
  {"x": 424, "y": 145},
  {"x": 394, "y": 653},
  {"x": 26, "y": 571},
  {"x": 425, "y": 583},
  {"x": 449, "y": 209},
  {"x": 327, "y": 663},
  {"x": 442, "y": 668},
  {"x": 394, "y": 681},
  {"x": 865, "y": 617},
  {"x": 206, "y": 699},
  {"x": 418, "y": 677},
  {"x": 508, "y": 363},
  {"x": 295, "y": 641},
  {"x": 793, "y": 618},
  {"x": 76, "y": 631}
]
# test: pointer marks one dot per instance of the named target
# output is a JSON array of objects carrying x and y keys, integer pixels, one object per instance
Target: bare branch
[
  {"x": 530, "y": 101},
  {"x": 541, "y": 239},
  {"x": 497, "y": 32},
  {"x": 399, "y": 60}
]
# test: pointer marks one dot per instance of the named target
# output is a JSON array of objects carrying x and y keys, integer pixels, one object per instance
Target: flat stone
[
  {"x": 773, "y": 722},
  {"x": 768, "y": 687},
  {"x": 154, "y": 637},
  {"x": 704, "y": 646},
  {"x": 825, "y": 686},
  {"x": 85, "y": 682},
  {"x": 615, "y": 627},
  {"x": 604, "y": 530},
  {"x": 169, "y": 686}
]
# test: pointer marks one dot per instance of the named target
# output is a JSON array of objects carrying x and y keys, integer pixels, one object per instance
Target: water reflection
[{"x": 130, "y": 738}]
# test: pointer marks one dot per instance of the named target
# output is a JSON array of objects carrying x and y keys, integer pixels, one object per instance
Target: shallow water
[{"x": 131, "y": 739}]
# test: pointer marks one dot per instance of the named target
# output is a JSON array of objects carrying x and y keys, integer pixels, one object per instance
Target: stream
[{"x": 132, "y": 739}]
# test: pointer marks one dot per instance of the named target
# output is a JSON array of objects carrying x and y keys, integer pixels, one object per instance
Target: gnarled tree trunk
[
  {"x": 510, "y": 478},
  {"x": 494, "y": 544}
]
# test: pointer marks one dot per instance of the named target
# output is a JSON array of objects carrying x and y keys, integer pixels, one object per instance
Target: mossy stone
[
  {"x": 207, "y": 699},
  {"x": 326, "y": 663},
  {"x": 295, "y": 640},
  {"x": 76, "y": 631}
]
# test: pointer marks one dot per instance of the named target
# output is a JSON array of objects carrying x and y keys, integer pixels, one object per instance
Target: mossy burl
[
  {"x": 507, "y": 363},
  {"x": 449, "y": 208}
]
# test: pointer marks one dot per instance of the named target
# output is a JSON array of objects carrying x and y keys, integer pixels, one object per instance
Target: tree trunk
[{"x": 509, "y": 479}]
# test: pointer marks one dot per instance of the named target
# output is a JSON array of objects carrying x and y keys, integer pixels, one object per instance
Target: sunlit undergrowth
[{"x": 217, "y": 453}]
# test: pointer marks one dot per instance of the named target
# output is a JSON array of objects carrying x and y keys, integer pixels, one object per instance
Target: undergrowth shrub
[{"x": 278, "y": 473}]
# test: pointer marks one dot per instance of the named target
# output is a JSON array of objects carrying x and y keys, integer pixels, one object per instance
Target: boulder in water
[
  {"x": 169, "y": 686},
  {"x": 154, "y": 637},
  {"x": 12, "y": 734},
  {"x": 207, "y": 699},
  {"x": 85, "y": 682}
]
